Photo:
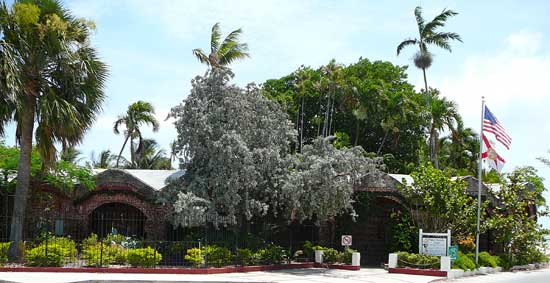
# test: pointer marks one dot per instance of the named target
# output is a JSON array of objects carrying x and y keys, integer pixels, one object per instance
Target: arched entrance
[{"x": 119, "y": 218}]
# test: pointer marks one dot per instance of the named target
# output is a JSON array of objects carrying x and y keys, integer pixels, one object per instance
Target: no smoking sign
[{"x": 346, "y": 240}]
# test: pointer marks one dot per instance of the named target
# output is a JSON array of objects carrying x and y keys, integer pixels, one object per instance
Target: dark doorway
[{"x": 117, "y": 218}]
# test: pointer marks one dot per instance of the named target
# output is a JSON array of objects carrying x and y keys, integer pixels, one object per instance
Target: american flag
[{"x": 492, "y": 125}]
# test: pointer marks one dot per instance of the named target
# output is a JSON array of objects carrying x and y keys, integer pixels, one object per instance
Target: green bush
[
  {"x": 195, "y": 256},
  {"x": 274, "y": 254},
  {"x": 331, "y": 256},
  {"x": 485, "y": 259},
  {"x": 4, "y": 252},
  {"x": 308, "y": 249},
  {"x": 347, "y": 256},
  {"x": 245, "y": 256},
  {"x": 218, "y": 256},
  {"x": 145, "y": 257},
  {"x": 405, "y": 259},
  {"x": 464, "y": 262},
  {"x": 59, "y": 251}
]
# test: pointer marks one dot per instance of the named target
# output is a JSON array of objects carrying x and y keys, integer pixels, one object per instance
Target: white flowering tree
[
  {"x": 321, "y": 180},
  {"x": 233, "y": 144}
]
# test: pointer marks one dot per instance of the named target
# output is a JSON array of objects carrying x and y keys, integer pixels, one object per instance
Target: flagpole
[{"x": 480, "y": 168}]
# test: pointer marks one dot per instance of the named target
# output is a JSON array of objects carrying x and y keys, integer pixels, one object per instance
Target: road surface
[{"x": 537, "y": 276}]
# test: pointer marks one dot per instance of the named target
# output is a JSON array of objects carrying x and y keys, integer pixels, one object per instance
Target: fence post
[
  {"x": 101, "y": 243},
  {"x": 47, "y": 243}
]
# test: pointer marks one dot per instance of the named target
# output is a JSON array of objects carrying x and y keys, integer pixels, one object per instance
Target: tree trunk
[
  {"x": 23, "y": 178},
  {"x": 425, "y": 81},
  {"x": 356, "y": 132},
  {"x": 382, "y": 143},
  {"x": 331, "y": 114},
  {"x": 433, "y": 150},
  {"x": 132, "y": 152},
  {"x": 302, "y": 125},
  {"x": 120, "y": 153}
]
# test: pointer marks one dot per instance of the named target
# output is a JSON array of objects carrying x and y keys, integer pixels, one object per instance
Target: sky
[{"x": 505, "y": 56}]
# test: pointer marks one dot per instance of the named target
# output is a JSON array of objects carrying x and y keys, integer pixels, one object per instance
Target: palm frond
[
  {"x": 438, "y": 21},
  {"x": 203, "y": 58},
  {"x": 215, "y": 38},
  {"x": 405, "y": 43},
  {"x": 419, "y": 19}
]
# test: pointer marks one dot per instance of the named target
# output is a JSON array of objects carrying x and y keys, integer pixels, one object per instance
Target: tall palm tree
[
  {"x": 428, "y": 35},
  {"x": 460, "y": 149},
  {"x": 139, "y": 113},
  {"x": 50, "y": 77},
  {"x": 71, "y": 155},
  {"x": 222, "y": 53},
  {"x": 332, "y": 75},
  {"x": 443, "y": 116}
]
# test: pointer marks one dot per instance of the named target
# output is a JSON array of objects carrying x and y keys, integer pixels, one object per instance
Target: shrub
[
  {"x": 485, "y": 259},
  {"x": 405, "y": 259},
  {"x": 331, "y": 256},
  {"x": 114, "y": 250},
  {"x": 218, "y": 256},
  {"x": 4, "y": 252},
  {"x": 145, "y": 257},
  {"x": 464, "y": 262},
  {"x": 274, "y": 254},
  {"x": 347, "y": 256},
  {"x": 59, "y": 251},
  {"x": 245, "y": 256},
  {"x": 308, "y": 249},
  {"x": 467, "y": 244},
  {"x": 195, "y": 256}
]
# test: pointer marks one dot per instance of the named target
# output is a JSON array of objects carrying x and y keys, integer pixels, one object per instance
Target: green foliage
[
  {"x": 111, "y": 250},
  {"x": 56, "y": 252},
  {"x": 145, "y": 257},
  {"x": 4, "y": 252},
  {"x": 485, "y": 259},
  {"x": 271, "y": 254},
  {"x": 218, "y": 256},
  {"x": 332, "y": 256},
  {"x": 403, "y": 232},
  {"x": 245, "y": 256},
  {"x": 514, "y": 221},
  {"x": 66, "y": 175},
  {"x": 348, "y": 255},
  {"x": 308, "y": 249},
  {"x": 405, "y": 259},
  {"x": 437, "y": 203},
  {"x": 465, "y": 262},
  {"x": 195, "y": 256}
]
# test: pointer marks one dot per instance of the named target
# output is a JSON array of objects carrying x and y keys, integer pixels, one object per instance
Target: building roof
[
  {"x": 400, "y": 177},
  {"x": 156, "y": 179}
]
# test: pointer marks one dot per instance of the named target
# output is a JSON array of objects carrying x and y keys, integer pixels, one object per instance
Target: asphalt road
[{"x": 538, "y": 276}]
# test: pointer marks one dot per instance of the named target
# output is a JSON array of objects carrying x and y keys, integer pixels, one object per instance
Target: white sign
[
  {"x": 346, "y": 240},
  {"x": 434, "y": 246}
]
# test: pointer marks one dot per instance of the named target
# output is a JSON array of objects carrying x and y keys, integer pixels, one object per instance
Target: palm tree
[
  {"x": 222, "y": 53},
  {"x": 71, "y": 155},
  {"x": 332, "y": 75},
  {"x": 138, "y": 114},
  {"x": 103, "y": 160},
  {"x": 428, "y": 35},
  {"x": 460, "y": 149},
  {"x": 443, "y": 116},
  {"x": 50, "y": 77},
  {"x": 150, "y": 156}
]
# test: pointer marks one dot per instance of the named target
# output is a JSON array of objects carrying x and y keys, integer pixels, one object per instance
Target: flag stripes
[{"x": 492, "y": 125}]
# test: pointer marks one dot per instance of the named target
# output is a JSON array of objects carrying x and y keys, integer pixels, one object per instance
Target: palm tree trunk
[
  {"x": 356, "y": 132},
  {"x": 302, "y": 125},
  {"x": 23, "y": 179},
  {"x": 331, "y": 115},
  {"x": 132, "y": 152},
  {"x": 433, "y": 151},
  {"x": 425, "y": 81},
  {"x": 120, "y": 153},
  {"x": 382, "y": 143}
]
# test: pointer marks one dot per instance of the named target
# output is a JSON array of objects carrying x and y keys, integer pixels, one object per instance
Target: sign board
[
  {"x": 453, "y": 252},
  {"x": 346, "y": 240},
  {"x": 434, "y": 246}
]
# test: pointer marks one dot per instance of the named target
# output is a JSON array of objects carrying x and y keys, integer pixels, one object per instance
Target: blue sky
[{"x": 504, "y": 57}]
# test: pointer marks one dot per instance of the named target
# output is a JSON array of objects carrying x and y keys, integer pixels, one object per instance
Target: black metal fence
[{"x": 108, "y": 239}]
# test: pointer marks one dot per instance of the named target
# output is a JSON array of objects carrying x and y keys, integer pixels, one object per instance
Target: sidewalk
[{"x": 369, "y": 275}]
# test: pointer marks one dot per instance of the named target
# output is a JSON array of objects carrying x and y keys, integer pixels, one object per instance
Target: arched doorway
[{"x": 119, "y": 218}]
